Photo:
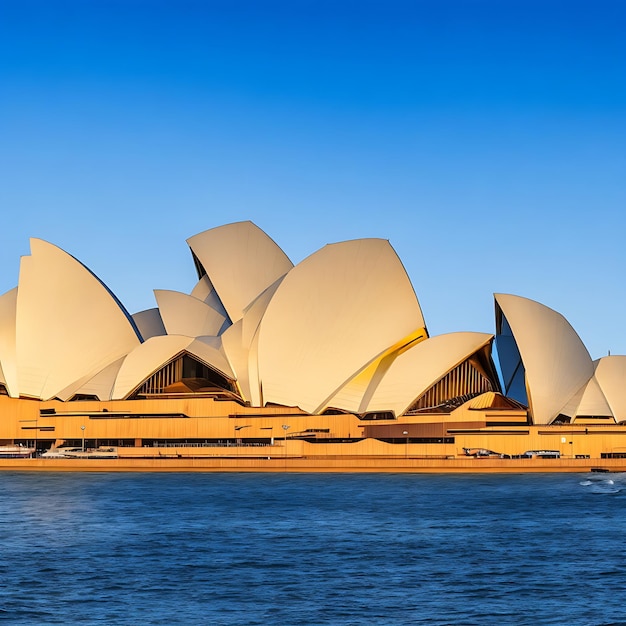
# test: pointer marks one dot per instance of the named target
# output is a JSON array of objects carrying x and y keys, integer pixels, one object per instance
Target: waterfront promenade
[{"x": 316, "y": 465}]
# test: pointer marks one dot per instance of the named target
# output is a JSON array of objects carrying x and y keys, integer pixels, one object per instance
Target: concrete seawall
[{"x": 298, "y": 464}]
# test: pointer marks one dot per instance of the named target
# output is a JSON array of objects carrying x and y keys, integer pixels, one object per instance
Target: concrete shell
[
  {"x": 555, "y": 360},
  {"x": 588, "y": 401},
  {"x": 8, "y": 357},
  {"x": 240, "y": 346},
  {"x": 330, "y": 317},
  {"x": 156, "y": 352},
  {"x": 355, "y": 395},
  {"x": 210, "y": 351},
  {"x": 611, "y": 376},
  {"x": 205, "y": 291},
  {"x": 255, "y": 311},
  {"x": 100, "y": 385},
  {"x": 202, "y": 289},
  {"x": 241, "y": 262},
  {"x": 571, "y": 406},
  {"x": 413, "y": 372},
  {"x": 186, "y": 315},
  {"x": 149, "y": 323},
  {"x": 237, "y": 355},
  {"x": 69, "y": 326}
]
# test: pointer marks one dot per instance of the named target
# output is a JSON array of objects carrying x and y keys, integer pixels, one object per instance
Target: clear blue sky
[{"x": 485, "y": 139}]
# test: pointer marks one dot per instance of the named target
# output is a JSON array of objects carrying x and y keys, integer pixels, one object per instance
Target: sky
[{"x": 485, "y": 139}]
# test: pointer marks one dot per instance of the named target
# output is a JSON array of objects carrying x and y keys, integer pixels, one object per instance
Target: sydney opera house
[{"x": 330, "y": 358}]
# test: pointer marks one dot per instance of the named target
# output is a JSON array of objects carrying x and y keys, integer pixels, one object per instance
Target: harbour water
[{"x": 291, "y": 549}]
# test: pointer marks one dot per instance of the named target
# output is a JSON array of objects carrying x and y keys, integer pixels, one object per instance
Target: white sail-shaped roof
[
  {"x": 254, "y": 376},
  {"x": 185, "y": 315},
  {"x": 255, "y": 311},
  {"x": 8, "y": 356},
  {"x": 593, "y": 402},
  {"x": 356, "y": 394},
  {"x": 556, "y": 362},
  {"x": 570, "y": 408},
  {"x": 241, "y": 262},
  {"x": 154, "y": 353},
  {"x": 69, "y": 326},
  {"x": 100, "y": 385},
  {"x": 237, "y": 355},
  {"x": 413, "y": 372},
  {"x": 331, "y": 316},
  {"x": 210, "y": 351},
  {"x": 202, "y": 289},
  {"x": 240, "y": 343},
  {"x": 611, "y": 376},
  {"x": 205, "y": 291},
  {"x": 149, "y": 323}
]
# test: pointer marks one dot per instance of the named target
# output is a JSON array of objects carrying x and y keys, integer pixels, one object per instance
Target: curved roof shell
[
  {"x": 238, "y": 356},
  {"x": 8, "y": 358},
  {"x": 205, "y": 291},
  {"x": 241, "y": 262},
  {"x": 149, "y": 323},
  {"x": 69, "y": 326},
  {"x": 556, "y": 362},
  {"x": 240, "y": 342},
  {"x": 100, "y": 385},
  {"x": 413, "y": 372},
  {"x": 356, "y": 394},
  {"x": 330, "y": 317},
  {"x": 611, "y": 376},
  {"x": 156, "y": 352},
  {"x": 588, "y": 401},
  {"x": 186, "y": 315},
  {"x": 210, "y": 351}
]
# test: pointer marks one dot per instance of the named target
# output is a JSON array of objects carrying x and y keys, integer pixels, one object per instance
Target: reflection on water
[{"x": 311, "y": 549}]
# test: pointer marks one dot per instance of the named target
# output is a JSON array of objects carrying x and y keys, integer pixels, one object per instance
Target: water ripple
[{"x": 246, "y": 549}]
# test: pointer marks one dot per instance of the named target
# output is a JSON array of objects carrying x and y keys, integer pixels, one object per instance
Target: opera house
[{"x": 327, "y": 359}]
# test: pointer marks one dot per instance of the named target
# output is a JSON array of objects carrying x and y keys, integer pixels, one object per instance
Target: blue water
[{"x": 294, "y": 549}]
